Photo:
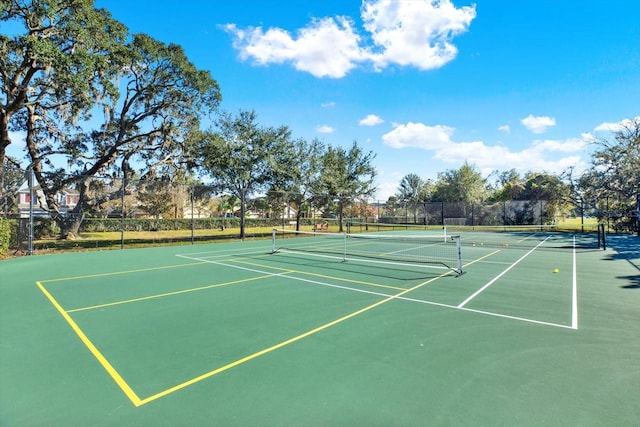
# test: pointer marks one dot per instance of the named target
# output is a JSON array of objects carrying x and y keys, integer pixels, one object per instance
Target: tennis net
[{"x": 422, "y": 250}]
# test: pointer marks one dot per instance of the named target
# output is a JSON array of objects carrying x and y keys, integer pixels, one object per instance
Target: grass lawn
[{"x": 114, "y": 240}]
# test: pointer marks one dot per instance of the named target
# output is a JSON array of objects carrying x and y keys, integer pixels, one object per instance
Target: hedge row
[
  {"x": 8, "y": 234},
  {"x": 146, "y": 224},
  {"x": 47, "y": 228}
]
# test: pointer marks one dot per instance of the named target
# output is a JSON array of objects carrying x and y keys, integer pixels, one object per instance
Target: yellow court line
[
  {"x": 323, "y": 276},
  {"x": 184, "y": 291},
  {"x": 114, "y": 273},
  {"x": 286, "y": 342},
  {"x": 128, "y": 391},
  {"x": 481, "y": 258}
]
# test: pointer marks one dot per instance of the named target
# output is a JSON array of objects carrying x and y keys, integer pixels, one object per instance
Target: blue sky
[{"x": 520, "y": 84}]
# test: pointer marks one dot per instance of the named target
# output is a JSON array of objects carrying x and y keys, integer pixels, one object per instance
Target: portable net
[{"x": 422, "y": 250}]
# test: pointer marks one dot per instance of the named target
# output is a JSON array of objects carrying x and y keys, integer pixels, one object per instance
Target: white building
[{"x": 67, "y": 200}]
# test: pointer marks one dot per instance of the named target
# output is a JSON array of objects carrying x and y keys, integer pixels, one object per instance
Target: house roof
[{"x": 24, "y": 188}]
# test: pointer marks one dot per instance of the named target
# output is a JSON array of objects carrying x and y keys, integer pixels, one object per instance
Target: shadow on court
[{"x": 626, "y": 248}]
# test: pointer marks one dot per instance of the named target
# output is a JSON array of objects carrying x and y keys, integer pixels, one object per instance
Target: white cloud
[
  {"x": 325, "y": 129},
  {"x": 327, "y": 47},
  {"x": 371, "y": 120},
  {"x": 505, "y": 128},
  {"x": 553, "y": 156},
  {"x": 538, "y": 124},
  {"x": 329, "y": 104},
  {"x": 616, "y": 127},
  {"x": 571, "y": 145},
  {"x": 407, "y": 33},
  {"x": 418, "y": 135},
  {"x": 415, "y": 33},
  {"x": 388, "y": 188}
]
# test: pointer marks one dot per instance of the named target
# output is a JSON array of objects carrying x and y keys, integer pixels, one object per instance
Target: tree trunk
[
  {"x": 243, "y": 206},
  {"x": 70, "y": 224},
  {"x": 5, "y": 140}
]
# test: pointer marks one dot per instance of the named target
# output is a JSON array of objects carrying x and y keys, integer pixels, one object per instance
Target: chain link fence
[{"x": 118, "y": 213}]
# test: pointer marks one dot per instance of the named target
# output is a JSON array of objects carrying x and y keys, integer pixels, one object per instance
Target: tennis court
[{"x": 541, "y": 328}]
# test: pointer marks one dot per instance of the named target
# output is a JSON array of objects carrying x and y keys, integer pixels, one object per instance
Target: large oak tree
[{"x": 71, "y": 63}]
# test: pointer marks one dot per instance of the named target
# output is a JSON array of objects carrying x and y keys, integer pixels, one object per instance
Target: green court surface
[{"x": 541, "y": 329}]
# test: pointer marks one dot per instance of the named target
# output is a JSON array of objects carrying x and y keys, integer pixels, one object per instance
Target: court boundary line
[
  {"x": 495, "y": 279},
  {"x": 167, "y": 294},
  {"x": 574, "y": 290},
  {"x": 115, "y": 273},
  {"x": 422, "y": 301},
  {"x": 137, "y": 401},
  {"x": 288, "y": 341},
  {"x": 106, "y": 365}
]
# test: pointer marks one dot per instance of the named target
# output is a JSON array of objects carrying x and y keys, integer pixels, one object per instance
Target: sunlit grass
[
  {"x": 589, "y": 224},
  {"x": 115, "y": 239}
]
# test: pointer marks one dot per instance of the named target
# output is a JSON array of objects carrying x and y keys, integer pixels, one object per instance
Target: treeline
[{"x": 94, "y": 100}]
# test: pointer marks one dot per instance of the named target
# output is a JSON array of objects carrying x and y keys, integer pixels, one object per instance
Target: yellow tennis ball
[{"x": 555, "y": 270}]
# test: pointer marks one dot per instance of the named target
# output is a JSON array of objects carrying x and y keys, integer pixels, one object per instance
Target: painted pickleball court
[{"x": 543, "y": 328}]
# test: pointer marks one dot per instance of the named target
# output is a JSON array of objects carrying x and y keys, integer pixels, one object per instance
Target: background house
[{"x": 67, "y": 200}]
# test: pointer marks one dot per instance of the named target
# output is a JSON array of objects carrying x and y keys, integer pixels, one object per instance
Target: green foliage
[
  {"x": 100, "y": 225},
  {"x": 155, "y": 198},
  {"x": 510, "y": 186},
  {"x": 461, "y": 185},
  {"x": 413, "y": 190},
  {"x": 7, "y": 230},
  {"x": 71, "y": 58},
  {"x": 242, "y": 157},
  {"x": 614, "y": 171},
  {"x": 346, "y": 175}
]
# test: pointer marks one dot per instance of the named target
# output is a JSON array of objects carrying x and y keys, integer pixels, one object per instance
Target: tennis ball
[{"x": 555, "y": 270}]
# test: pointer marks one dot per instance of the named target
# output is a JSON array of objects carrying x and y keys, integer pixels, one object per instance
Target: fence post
[
  {"x": 541, "y": 218},
  {"x": 638, "y": 214},
  {"x": 31, "y": 195},
  {"x": 192, "y": 220},
  {"x": 504, "y": 214},
  {"x": 124, "y": 185},
  {"x": 473, "y": 222}
]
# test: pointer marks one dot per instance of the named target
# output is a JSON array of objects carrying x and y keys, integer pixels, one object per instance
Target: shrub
[{"x": 6, "y": 227}]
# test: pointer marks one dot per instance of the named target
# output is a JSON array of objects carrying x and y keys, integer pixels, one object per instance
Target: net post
[
  {"x": 602, "y": 240},
  {"x": 459, "y": 254},
  {"x": 344, "y": 250},
  {"x": 273, "y": 241}
]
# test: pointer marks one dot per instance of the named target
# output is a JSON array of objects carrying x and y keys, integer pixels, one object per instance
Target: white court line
[
  {"x": 381, "y": 294},
  {"x": 224, "y": 264},
  {"x": 479, "y": 291},
  {"x": 227, "y": 252},
  {"x": 488, "y": 313}
]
